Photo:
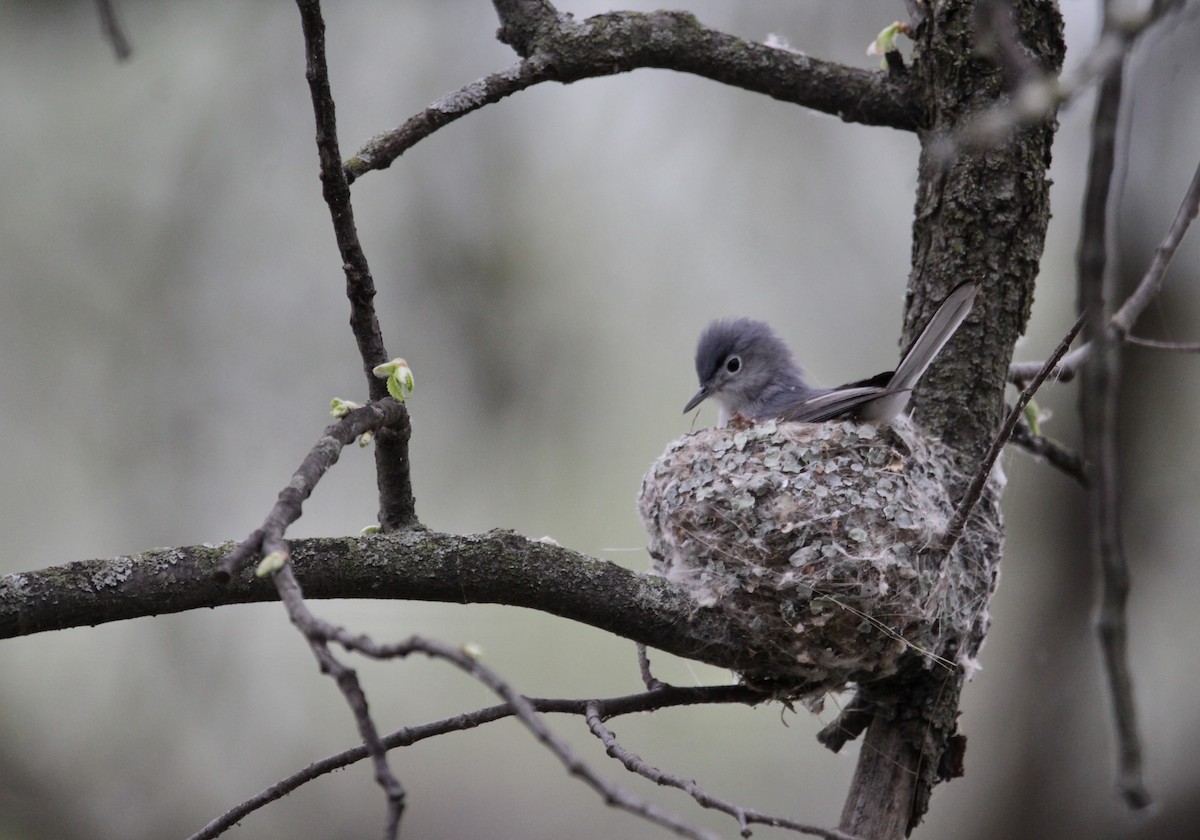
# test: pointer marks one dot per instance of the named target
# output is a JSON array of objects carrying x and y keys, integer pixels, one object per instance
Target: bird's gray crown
[
  {"x": 746, "y": 369},
  {"x": 740, "y": 337}
]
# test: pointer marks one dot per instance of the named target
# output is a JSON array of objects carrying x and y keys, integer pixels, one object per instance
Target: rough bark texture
[
  {"x": 499, "y": 567},
  {"x": 979, "y": 213}
]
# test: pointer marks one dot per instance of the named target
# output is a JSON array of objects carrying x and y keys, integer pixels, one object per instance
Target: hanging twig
[{"x": 851, "y": 722}]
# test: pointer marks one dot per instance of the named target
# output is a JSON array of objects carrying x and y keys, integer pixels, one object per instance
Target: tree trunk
[{"x": 979, "y": 213}]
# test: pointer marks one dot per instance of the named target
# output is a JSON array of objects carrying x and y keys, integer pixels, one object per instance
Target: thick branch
[
  {"x": 499, "y": 567},
  {"x": 556, "y": 48},
  {"x": 621, "y": 41}
]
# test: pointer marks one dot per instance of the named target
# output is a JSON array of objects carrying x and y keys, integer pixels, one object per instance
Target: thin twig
[
  {"x": 975, "y": 490},
  {"x": 317, "y": 633},
  {"x": 113, "y": 31},
  {"x": 1058, "y": 456},
  {"x": 381, "y": 151},
  {"x": 609, "y": 707},
  {"x": 1019, "y": 373},
  {"x": 1152, "y": 344},
  {"x": 745, "y": 816},
  {"x": 1123, "y": 320},
  {"x": 397, "y": 507},
  {"x": 1151, "y": 282},
  {"x": 322, "y": 631},
  {"x": 648, "y": 678},
  {"x": 612, "y": 794},
  {"x": 323, "y": 455},
  {"x": 1098, "y": 408},
  {"x": 360, "y": 285}
]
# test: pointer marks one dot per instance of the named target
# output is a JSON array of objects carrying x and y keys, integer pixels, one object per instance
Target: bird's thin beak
[{"x": 700, "y": 397}]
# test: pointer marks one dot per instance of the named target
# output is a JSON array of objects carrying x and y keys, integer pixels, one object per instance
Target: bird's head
[{"x": 736, "y": 360}]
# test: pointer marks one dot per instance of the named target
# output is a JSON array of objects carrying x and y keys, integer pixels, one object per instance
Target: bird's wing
[{"x": 834, "y": 403}]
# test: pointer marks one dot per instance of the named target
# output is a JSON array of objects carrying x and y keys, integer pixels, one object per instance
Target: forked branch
[{"x": 556, "y": 48}]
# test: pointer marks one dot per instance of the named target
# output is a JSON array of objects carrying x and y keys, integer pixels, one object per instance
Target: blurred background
[{"x": 173, "y": 326}]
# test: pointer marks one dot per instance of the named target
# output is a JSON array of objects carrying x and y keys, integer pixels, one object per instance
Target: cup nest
[{"x": 823, "y": 543}]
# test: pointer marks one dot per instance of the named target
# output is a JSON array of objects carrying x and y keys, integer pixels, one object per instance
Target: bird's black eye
[{"x": 733, "y": 364}]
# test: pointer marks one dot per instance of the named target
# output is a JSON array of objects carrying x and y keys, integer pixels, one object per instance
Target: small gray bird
[{"x": 748, "y": 370}]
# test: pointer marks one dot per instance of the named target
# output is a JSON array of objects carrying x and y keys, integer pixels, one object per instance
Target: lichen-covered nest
[{"x": 823, "y": 541}]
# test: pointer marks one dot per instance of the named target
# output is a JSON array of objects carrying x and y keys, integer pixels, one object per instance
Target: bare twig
[
  {"x": 318, "y": 634},
  {"x": 609, "y": 707},
  {"x": 381, "y": 151},
  {"x": 323, "y": 455},
  {"x": 1058, "y": 456},
  {"x": 1174, "y": 346},
  {"x": 1098, "y": 414},
  {"x": 556, "y": 48},
  {"x": 611, "y": 793},
  {"x": 648, "y": 678},
  {"x": 744, "y": 816},
  {"x": 1151, "y": 282},
  {"x": 1019, "y": 373},
  {"x": 397, "y": 507},
  {"x": 1121, "y": 322},
  {"x": 975, "y": 490},
  {"x": 360, "y": 285},
  {"x": 113, "y": 31}
]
